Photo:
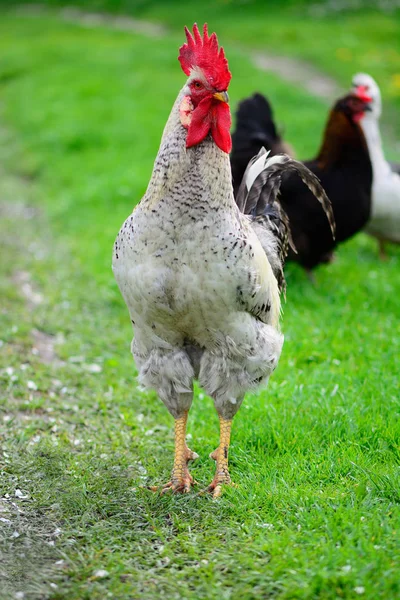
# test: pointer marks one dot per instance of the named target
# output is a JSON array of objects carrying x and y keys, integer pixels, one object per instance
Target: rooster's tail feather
[{"x": 258, "y": 197}]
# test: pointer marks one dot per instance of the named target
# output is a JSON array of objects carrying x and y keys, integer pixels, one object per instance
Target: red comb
[{"x": 202, "y": 52}]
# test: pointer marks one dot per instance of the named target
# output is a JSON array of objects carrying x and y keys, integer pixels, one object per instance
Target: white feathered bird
[
  {"x": 201, "y": 279},
  {"x": 385, "y": 215}
]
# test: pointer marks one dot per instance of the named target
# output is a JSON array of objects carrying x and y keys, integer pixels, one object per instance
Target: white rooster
[
  {"x": 200, "y": 278},
  {"x": 385, "y": 215}
]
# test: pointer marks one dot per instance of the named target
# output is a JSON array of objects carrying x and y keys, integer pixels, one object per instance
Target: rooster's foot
[
  {"x": 216, "y": 486},
  {"x": 180, "y": 483},
  {"x": 181, "y": 479},
  {"x": 221, "y": 478},
  {"x": 220, "y": 455}
]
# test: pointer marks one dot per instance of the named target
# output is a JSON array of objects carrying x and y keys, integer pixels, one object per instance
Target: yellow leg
[
  {"x": 181, "y": 479},
  {"x": 220, "y": 455}
]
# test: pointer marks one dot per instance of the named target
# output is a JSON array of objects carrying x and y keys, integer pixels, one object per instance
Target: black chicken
[{"x": 255, "y": 127}]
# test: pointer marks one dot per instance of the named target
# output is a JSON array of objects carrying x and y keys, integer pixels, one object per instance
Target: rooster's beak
[{"x": 222, "y": 96}]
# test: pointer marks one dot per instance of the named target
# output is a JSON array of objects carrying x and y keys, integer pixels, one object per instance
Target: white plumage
[
  {"x": 200, "y": 278},
  {"x": 385, "y": 215},
  {"x": 194, "y": 275},
  {"x": 201, "y": 293}
]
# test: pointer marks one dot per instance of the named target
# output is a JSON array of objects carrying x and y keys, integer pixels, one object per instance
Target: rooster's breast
[{"x": 182, "y": 285}]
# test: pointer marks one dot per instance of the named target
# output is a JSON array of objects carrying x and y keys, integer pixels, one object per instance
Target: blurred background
[
  {"x": 103, "y": 74},
  {"x": 85, "y": 91}
]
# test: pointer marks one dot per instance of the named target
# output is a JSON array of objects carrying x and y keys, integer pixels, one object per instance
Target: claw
[
  {"x": 179, "y": 485},
  {"x": 216, "y": 486},
  {"x": 215, "y": 489}
]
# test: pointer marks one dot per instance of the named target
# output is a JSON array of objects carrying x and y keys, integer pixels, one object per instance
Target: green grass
[
  {"x": 340, "y": 43},
  {"x": 316, "y": 455},
  {"x": 335, "y": 37}
]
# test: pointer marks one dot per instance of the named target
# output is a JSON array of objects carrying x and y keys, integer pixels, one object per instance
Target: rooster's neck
[{"x": 200, "y": 174}]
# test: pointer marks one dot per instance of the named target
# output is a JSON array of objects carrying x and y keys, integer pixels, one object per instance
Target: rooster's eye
[{"x": 197, "y": 85}]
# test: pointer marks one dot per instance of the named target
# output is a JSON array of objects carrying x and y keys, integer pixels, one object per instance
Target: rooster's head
[
  {"x": 365, "y": 87},
  {"x": 205, "y": 106},
  {"x": 353, "y": 106}
]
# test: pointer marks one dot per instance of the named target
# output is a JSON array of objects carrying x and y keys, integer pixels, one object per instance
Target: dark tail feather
[
  {"x": 262, "y": 179},
  {"x": 258, "y": 197}
]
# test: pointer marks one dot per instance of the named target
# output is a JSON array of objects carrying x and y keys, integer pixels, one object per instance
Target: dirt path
[
  {"x": 29, "y": 559},
  {"x": 19, "y": 214},
  {"x": 298, "y": 72},
  {"x": 92, "y": 20}
]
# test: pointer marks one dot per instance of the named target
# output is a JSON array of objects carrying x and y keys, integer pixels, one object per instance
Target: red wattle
[
  {"x": 214, "y": 115},
  {"x": 220, "y": 126},
  {"x": 200, "y": 123},
  {"x": 358, "y": 116}
]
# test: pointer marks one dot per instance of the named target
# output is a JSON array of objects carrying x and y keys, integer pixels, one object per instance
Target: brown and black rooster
[{"x": 344, "y": 168}]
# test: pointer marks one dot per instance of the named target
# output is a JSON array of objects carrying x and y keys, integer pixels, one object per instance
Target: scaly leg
[
  {"x": 181, "y": 479},
  {"x": 220, "y": 455}
]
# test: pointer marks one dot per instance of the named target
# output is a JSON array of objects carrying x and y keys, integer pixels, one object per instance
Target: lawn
[
  {"x": 316, "y": 456},
  {"x": 340, "y": 37}
]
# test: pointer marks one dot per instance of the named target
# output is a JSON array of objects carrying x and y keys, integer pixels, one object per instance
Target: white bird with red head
[
  {"x": 384, "y": 224},
  {"x": 201, "y": 287}
]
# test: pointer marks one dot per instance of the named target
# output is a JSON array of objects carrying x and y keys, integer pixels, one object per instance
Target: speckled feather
[{"x": 201, "y": 293}]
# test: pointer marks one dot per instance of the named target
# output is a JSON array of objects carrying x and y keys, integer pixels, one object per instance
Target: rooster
[
  {"x": 200, "y": 278},
  {"x": 344, "y": 168},
  {"x": 385, "y": 218},
  {"x": 255, "y": 128}
]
